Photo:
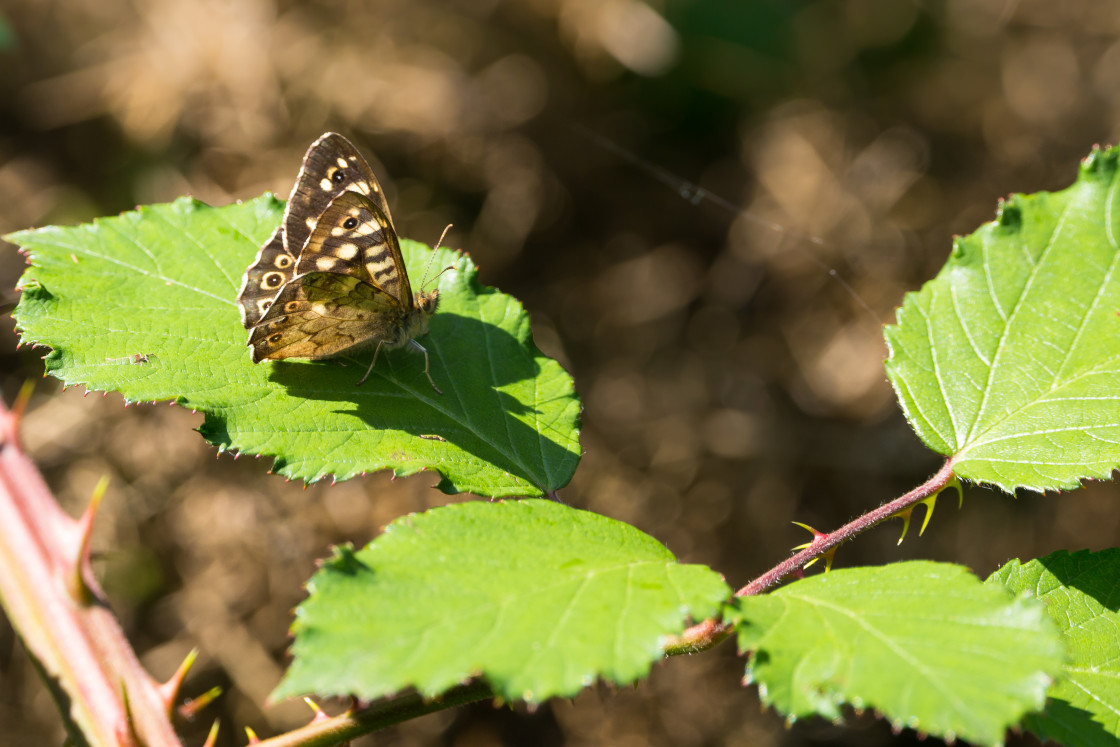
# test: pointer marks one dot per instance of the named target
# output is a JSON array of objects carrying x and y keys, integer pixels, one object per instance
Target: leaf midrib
[{"x": 974, "y": 438}]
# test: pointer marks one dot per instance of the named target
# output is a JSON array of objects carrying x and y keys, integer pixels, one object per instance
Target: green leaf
[
  {"x": 1009, "y": 360},
  {"x": 1082, "y": 598},
  {"x": 538, "y": 598},
  {"x": 145, "y": 304},
  {"x": 924, "y": 643}
]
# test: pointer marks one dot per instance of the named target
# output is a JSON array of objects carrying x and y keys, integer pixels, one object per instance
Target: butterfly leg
[
  {"x": 371, "y": 365},
  {"x": 427, "y": 365}
]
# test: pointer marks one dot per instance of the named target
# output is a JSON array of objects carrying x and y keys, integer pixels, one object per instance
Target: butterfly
[{"x": 331, "y": 278}]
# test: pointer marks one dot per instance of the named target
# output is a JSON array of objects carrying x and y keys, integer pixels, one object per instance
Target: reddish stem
[
  {"x": 710, "y": 632},
  {"x": 60, "y": 614}
]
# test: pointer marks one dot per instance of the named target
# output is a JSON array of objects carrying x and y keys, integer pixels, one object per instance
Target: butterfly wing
[
  {"x": 322, "y": 314},
  {"x": 355, "y": 237},
  {"x": 331, "y": 166},
  {"x": 272, "y": 268}
]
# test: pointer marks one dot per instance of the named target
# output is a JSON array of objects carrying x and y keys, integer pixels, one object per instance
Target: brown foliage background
[{"x": 731, "y": 384}]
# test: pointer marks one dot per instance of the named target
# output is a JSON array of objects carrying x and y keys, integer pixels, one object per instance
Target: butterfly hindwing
[
  {"x": 272, "y": 268},
  {"x": 355, "y": 237},
  {"x": 321, "y": 314}
]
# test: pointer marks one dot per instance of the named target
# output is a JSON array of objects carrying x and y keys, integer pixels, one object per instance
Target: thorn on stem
[
  {"x": 193, "y": 706},
  {"x": 828, "y": 555},
  {"x": 905, "y": 516},
  {"x": 169, "y": 691},
  {"x": 212, "y": 737},
  {"x": 319, "y": 714},
  {"x": 20, "y": 404},
  {"x": 929, "y": 503},
  {"x": 816, "y": 536},
  {"x": 81, "y": 573},
  {"x": 955, "y": 484}
]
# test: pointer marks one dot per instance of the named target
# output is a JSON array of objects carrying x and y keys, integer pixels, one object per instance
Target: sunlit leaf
[
  {"x": 926, "y": 644},
  {"x": 145, "y": 304},
  {"x": 538, "y": 598},
  {"x": 1009, "y": 360}
]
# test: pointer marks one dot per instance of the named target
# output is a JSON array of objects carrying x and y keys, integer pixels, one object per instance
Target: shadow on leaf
[
  {"x": 491, "y": 397},
  {"x": 1068, "y": 724}
]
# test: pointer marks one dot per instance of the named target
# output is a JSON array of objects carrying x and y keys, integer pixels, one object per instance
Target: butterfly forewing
[
  {"x": 323, "y": 315},
  {"x": 354, "y": 237},
  {"x": 331, "y": 278},
  {"x": 331, "y": 167}
]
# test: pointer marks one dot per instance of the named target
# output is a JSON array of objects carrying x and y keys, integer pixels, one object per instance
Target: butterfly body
[{"x": 331, "y": 279}]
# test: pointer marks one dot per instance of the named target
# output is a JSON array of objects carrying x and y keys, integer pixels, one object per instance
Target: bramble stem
[
  {"x": 708, "y": 633},
  {"x": 48, "y": 591},
  {"x": 378, "y": 715}
]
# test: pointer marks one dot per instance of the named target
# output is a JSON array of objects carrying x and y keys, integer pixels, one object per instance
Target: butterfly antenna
[
  {"x": 424, "y": 280},
  {"x": 442, "y": 236}
]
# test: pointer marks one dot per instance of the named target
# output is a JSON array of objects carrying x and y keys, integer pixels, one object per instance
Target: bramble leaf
[
  {"x": 538, "y": 598},
  {"x": 1083, "y": 600},
  {"x": 924, "y": 643},
  {"x": 1009, "y": 360},
  {"x": 145, "y": 304}
]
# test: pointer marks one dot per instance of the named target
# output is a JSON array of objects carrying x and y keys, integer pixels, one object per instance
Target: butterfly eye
[
  {"x": 350, "y": 223},
  {"x": 273, "y": 279},
  {"x": 339, "y": 176},
  {"x": 275, "y": 338},
  {"x": 291, "y": 306},
  {"x": 283, "y": 261}
]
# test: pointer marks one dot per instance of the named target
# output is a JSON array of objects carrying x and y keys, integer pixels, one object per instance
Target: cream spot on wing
[
  {"x": 338, "y": 231},
  {"x": 362, "y": 187},
  {"x": 365, "y": 229},
  {"x": 346, "y": 251},
  {"x": 312, "y": 221},
  {"x": 376, "y": 268},
  {"x": 325, "y": 185},
  {"x": 326, "y": 264},
  {"x": 342, "y": 162},
  {"x": 319, "y": 308}
]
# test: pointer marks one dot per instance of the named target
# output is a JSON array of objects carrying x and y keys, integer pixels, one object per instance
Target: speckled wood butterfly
[{"x": 331, "y": 278}]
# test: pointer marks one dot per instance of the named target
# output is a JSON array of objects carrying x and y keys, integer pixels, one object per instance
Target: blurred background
[{"x": 729, "y": 355}]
